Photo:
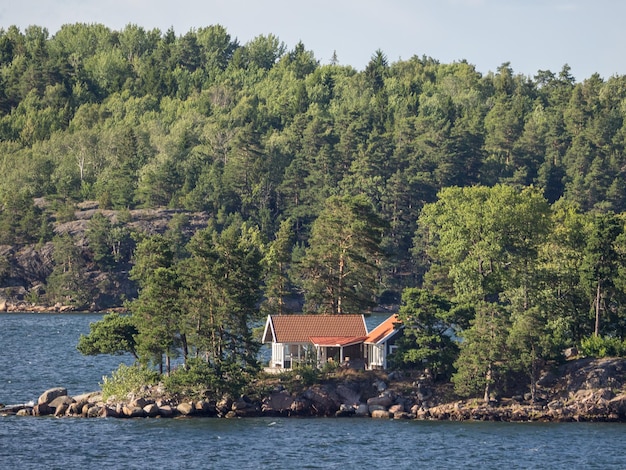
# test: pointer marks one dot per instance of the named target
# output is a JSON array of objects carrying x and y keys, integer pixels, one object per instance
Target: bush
[
  {"x": 598, "y": 346},
  {"x": 127, "y": 379},
  {"x": 196, "y": 380}
]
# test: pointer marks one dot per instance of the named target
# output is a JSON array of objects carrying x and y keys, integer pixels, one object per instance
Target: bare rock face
[
  {"x": 348, "y": 395},
  {"x": 277, "y": 402},
  {"x": 324, "y": 400},
  {"x": 50, "y": 394}
]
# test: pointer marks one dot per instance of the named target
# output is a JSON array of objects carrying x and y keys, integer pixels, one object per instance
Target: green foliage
[
  {"x": 65, "y": 282},
  {"x": 602, "y": 346},
  {"x": 339, "y": 269},
  {"x": 429, "y": 324},
  {"x": 196, "y": 380},
  {"x": 114, "y": 334},
  {"x": 126, "y": 380},
  {"x": 404, "y": 174}
]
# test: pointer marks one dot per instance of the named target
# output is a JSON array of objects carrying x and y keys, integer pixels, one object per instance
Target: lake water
[{"x": 39, "y": 351}]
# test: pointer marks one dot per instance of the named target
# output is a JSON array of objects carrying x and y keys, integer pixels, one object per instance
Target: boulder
[
  {"x": 362, "y": 410},
  {"x": 166, "y": 411},
  {"x": 380, "y": 386},
  {"x": 42, "y": 410},
  {"x": 381, "y": 414},
  {"x": 129, "y": 411},
  {"x": 373, "y": 408},
  {"x": 138, "y": 402},
  {"x": 224, "y": 405},
  {"x": 109, "y": 412},
  {"x": 61, "y": 409},
  {"x": 348, "y": 395},
  {"x": 204, "y": 407},
  {"x": 63, "y": 401},
  {"x": 618, "y": 405},
  {"x": 324, "y": 400},
  {"x": 277, "y": 402},
  {"x": 300, "y": 406},
  {"x": 151, "y": 410},
  {"x": 94, "y": 411},
  {"x": 185, "y": 409},
  {"x": 399, "y": 408},
  {"x": 384, "y": 401},
  {"x": 50, "y": 394},
  {"x": 345, "y": 410}
]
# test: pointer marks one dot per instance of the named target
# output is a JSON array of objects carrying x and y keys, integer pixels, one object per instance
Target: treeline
[{"x": 521, "y": 176}]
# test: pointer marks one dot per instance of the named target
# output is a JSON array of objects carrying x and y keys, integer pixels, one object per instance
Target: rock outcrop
[{"x": 582, "y": 390}]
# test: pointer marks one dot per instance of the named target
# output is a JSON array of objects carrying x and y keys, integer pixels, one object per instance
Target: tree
[
  {"x": 430, "y": 321},
  {"x": 485, "y": 238},
  {"x": 114, "y": 334},
  {"x": 600, "y": 265},
  {"x": 340, "y": 267},
  {"x": 65, "y": 284},
  {"x": 483, "y": 352},
  {"x": 110, "y": 243},
  {"x": 157, "y": 312},
  {"x": 222, "y": 279},
  {"x": 277, "y": 261}
]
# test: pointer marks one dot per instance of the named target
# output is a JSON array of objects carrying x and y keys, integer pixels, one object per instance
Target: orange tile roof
[
  {"x": 300, "y": 328},
  {"x": 330, "y": 341},
  {"x": 383, "y": 330}
]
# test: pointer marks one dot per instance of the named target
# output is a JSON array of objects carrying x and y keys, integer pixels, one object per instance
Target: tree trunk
[
  {"x": 596, "y": 330},
  {"x": 488, "y": 378}
]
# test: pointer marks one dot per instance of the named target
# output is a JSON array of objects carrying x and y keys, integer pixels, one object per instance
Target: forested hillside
[{"x": 324, "y": 170}]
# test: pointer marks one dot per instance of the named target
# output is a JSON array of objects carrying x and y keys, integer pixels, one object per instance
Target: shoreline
[{"x": 583, "y": 390}]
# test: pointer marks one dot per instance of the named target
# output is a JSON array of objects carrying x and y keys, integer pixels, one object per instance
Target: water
[{"x": 38, "y": 351}]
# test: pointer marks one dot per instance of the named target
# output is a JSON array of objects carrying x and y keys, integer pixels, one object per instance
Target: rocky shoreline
[{"x": 582, "y": 390}]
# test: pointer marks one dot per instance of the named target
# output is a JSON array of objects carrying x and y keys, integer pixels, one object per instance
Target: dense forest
[{"x": 491, "y": 204}]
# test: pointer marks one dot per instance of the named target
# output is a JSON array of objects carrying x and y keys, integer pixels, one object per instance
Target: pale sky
[{"x": 588, "y": 35}]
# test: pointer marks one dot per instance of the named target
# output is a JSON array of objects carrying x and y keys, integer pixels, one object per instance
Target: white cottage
[
  {"x": 381, "y": 342},
  {"x": 298, "y": 339}
]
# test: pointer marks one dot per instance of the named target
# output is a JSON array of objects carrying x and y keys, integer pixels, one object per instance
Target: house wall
[
  {"x": 376, "y": 356},
  {"x": 278, "y": 355}
]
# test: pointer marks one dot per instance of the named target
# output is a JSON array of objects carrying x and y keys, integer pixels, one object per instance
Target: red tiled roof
[
  {"x": 300, "y": 328},
  {"x": 330, "y": 341},
  {"x": 383, "y": 330}
]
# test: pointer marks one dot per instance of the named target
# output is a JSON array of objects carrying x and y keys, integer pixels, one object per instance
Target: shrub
[
  {"x": 598, "y": 346},
  {"x": 196, "y": 380},
  {"x": 127, "y": 379}
]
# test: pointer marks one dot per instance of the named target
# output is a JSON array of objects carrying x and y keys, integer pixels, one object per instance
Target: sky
[{"x": 531, "y": 35}]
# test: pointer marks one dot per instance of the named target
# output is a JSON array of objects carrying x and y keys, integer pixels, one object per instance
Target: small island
[{"x": 192, "y": 186}]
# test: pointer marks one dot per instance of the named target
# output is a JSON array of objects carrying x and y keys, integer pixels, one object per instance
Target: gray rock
[
  {"x": 42, "y": 410},
  {"x": 277, "y": 402},
  {"x": 62, "y": 401},
  {"x": 50, "y": 394},
  {"x": 384, "y": 401},
  {"x": 94, "y": 411},
  {"x": 362, "y": 410}
]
